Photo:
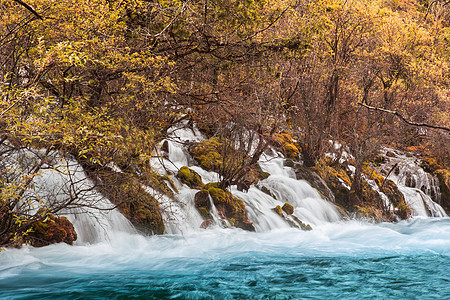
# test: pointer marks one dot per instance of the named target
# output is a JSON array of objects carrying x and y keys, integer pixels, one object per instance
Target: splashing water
[
  {"x": 417, "y": 186},
  {"x": 345, "y": 260}
]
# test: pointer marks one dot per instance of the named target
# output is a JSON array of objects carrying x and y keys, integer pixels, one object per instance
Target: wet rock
[
  {"x": 165, "y": 149},
  {"x": 228, "y": 207},
  {"x": 390, "y": 154},
  {"x": 278, "y": 210},
  {"x": 315, "y": 181},
  {"x": 288, "y": 208},
  {"x": 297, "y": 223},
  {"x": 444, "y": 186},
  {"x": 380, "y": 159},
  {"x": 289, "y": 163},
  {"x": 201, "y": 199},
  {"x": 410, "y": 181},
  {"x": 50, "y": 231},
  {"x": 202, "y": 203},
  {"x": 125, "y": 190},
  {"x": 205, "y": 224}
]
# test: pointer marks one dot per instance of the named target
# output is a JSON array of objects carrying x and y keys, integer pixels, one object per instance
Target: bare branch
[{"x": 396, "y": 113}]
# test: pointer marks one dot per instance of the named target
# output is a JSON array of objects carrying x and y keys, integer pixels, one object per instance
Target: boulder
[
  {"x": 190, "y": 178},
  {"x": 50, "y": 231}
]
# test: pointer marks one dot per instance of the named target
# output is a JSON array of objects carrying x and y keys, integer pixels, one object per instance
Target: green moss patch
[
  {"x": 126, "y": 191},
  {"x": 228, "y": 206},
  {"x": 190, "y": 178},
  {"x": 285, "y": 142},
  {"x": 207, "y": 154}
]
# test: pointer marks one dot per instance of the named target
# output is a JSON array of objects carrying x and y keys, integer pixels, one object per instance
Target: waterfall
[
  {"x": 59, "y": 180},
  {"x": 93, "y": 216},
  {"x": 308, "y": 205},
  {"x": 418, "y": 186},
  {"x": 180, "y": 214}
]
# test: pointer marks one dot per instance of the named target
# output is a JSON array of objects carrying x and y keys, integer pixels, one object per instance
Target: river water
[{"x": 340, "y": 260}]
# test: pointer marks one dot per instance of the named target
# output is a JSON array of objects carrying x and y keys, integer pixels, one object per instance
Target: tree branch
[
  {"x": 396, "y": 113},
  {"x": 29, "y": 8}
]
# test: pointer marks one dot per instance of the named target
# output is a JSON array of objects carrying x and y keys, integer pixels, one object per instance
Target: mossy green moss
[
  {"x": 291, "y": 151},
  {"x": 219, "y": 196},
  {"x": 158, "y": 182},
  {"x": 204, "y": 212},
  {"x": 337, "y": 181},
  {"x": 190, "y": 178},
  {"x": 286, "y": 144},
  {"x": 207, "y": 154},
  {"x": 228, "y": 206},
  {"x": 430, "y": 164}
]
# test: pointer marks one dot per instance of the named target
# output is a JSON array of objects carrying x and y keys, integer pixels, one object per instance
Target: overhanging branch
[{"x": 396, "y": 113}]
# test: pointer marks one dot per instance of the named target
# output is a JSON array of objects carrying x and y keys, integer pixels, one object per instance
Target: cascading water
[
  {"x": 417, "y": 186},
  {"x": 62, "y": 182},
  {"x": 93, "y": 216},
  {"x": 181, "y": 216}
]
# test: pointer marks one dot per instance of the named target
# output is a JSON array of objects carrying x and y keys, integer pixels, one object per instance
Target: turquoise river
[{"x": 343, "y": 260}]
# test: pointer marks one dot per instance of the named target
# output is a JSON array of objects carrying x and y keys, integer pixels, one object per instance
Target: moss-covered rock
[
  {"x": 288, "y": 208},
  {"x": 158, "y": 182},
  {"x": 51, "y": 230},
  {"x": 291, "y": 219},
  {"x": 207, "y": 154},
  {"x": 218, "y": 195},
  {"x": 229, "y": 207},
  {"x": 338, "y": 181},
  {"x": 370, "y": 213},
  {"x": 278, "y": 210},
  {"x": 135, "y": 203},
  {"x": 286, "y": 144},
  {"x": 315, "y": 181},
  {"x": 297, "y": 223},
  {"x": 429, "y": 164},
  {"x": 390, "y": 189},
  {"x": 368, "y": 202},
  {"x": 190, "y": 178}
]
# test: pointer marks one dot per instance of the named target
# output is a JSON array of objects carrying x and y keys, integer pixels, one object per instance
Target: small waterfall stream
[
  {"x": 93, "y": 216},
  {"x": 418, "y": 186}
]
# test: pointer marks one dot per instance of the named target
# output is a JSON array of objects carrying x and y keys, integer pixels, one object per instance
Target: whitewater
[{"x": 342, "y": 260}]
